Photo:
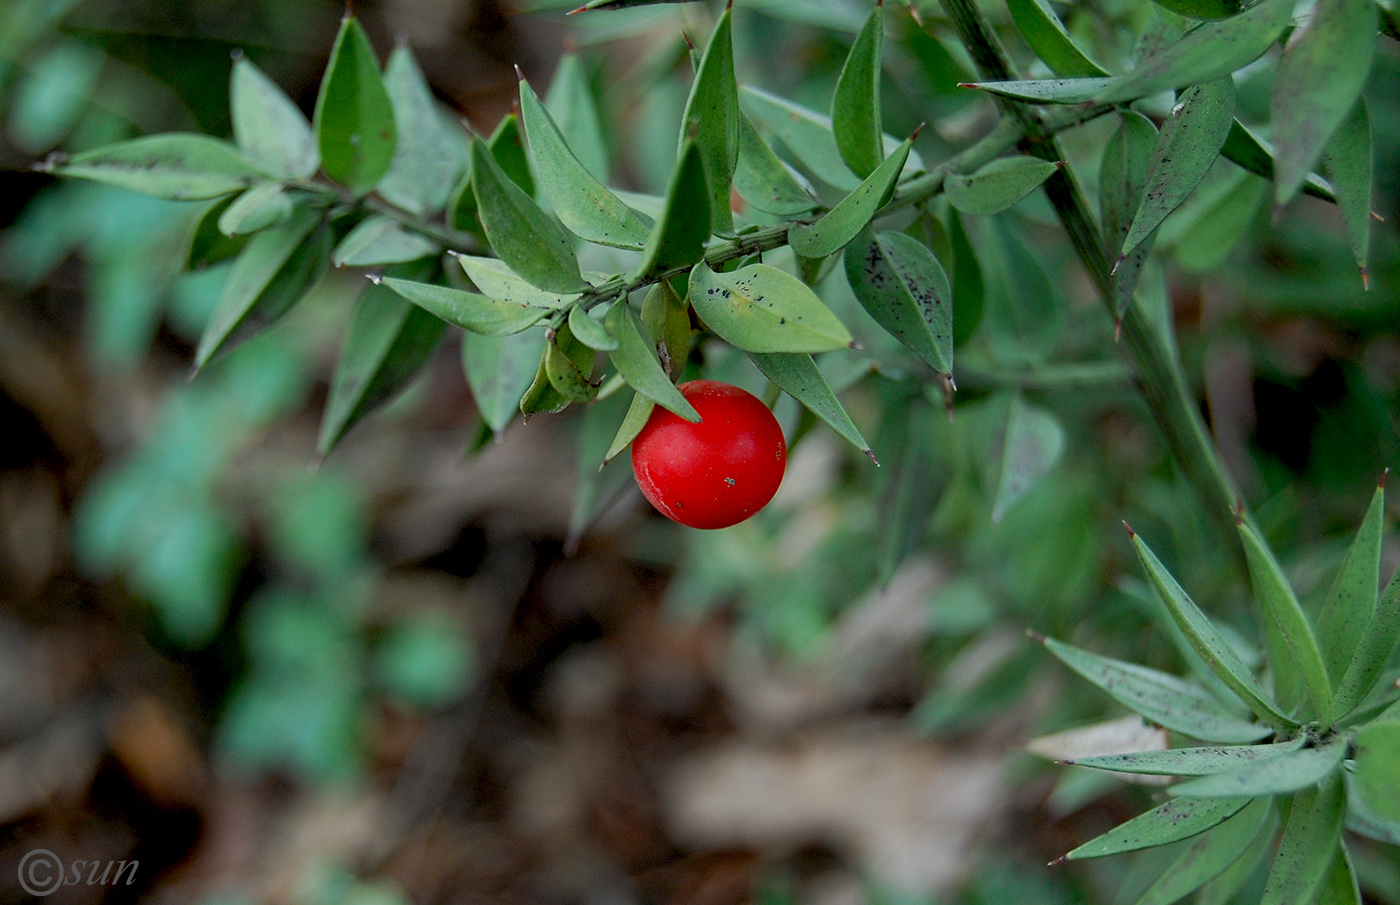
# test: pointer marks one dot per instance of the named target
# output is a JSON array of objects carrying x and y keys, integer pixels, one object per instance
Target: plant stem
[{"x": 1159, "y": 375}]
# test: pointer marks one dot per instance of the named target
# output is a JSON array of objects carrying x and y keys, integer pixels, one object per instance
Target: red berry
[{"x": 716, "y": 473}]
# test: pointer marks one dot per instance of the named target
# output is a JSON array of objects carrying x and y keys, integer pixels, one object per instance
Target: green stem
[{"x": 1160, "y": 378}]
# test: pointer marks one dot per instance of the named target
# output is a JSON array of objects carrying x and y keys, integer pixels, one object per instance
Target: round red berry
[{"x": 716, "y": 473}]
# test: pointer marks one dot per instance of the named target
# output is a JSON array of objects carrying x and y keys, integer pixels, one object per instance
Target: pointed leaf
[
  {"x": 1378, "y": 769},
  {"x": 1127, "y": 158},
  {"x": 1201, "y": 9},
  {"x": 583, "y": 203},
  {"x": 842, "y": 223},
  {"x": 667, "y": 319},
  {"x": 499, "y": 370},
  {"x": 1046, "y": 35},
  {"x": 636, "y": 360},
  {"x": 1186, "y": 148},
  {"x": 1164, "y": 699},
  {"x": 355, "y": 128},
  {"x": 855, "y": 106},
  {"x": 1347, "y": 161},
  {"x": 1189, "y": 761},
  {"x": 805, "y": 133},
  {"x": 1207, "y": 52},
  {"x": 1180, "y": 818},
  {"x": 632, "y": 423},
  {"x": 1209, "y": 855},
  {"x": 1023, "y": 315},
  {"x": 388, "y": 341},
  {"x": 496, "y": 280},
  {"x": 271, "y": 130},
  {"x": 679, "y": 236},
  {"x": 1207, "y": 641},
  {"x": 968, "y": 286},
  {"x": 1339, "y": 887},
  {"x": 596, "y": 487},
  {"x": 208, "y": 244},
  {"x": 272, "y": 273},
  {"x": 381, "y": 240},
  {"x": 426, "y": 162},
  {"x": 570, "y": 103},
  {"x": 1352, "y": 600},
  {"x": 1248, "y": 151},
  {"x": 1281, "y": 609},
  {"x": 1318, "y": 81},
  {"x": 590, "y": 331},
  {"x": 1279, "y": 775},
  {"x": 903, "y": 287},
  {"x": 764, "y": 181},
  {"x": 541, "y": 397},
  {"x": 910, "y": 494},
  {"x": 507, "y": 146},
  {"x": 998, "y": 185},
  {"x": 1224, "y": 887},
  {"x": 468, "y": 310},
  {"x": 759, "y": 308},
  {"x": 796, "y": 374},
  {"x": 1047, "y": 91},
  {"x": 258, "y": 208},
  {"x": 1374, "y": 651},
  {"x": 568, "y": 364},
  {"x": 1309, "y": 843},
  {"x": 532, "y": 244},
  {"x": 1025, "y": 447},
  {"x": 1217, "y": 224},
  {"x": 175, "y": 166},
  {"x": 711, "y": 120}
]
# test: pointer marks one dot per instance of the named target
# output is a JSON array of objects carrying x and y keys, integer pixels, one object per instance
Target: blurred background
[{"x": 438, "y": 668}]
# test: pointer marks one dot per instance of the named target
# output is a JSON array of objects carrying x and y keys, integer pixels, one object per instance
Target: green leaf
[
  {"x": 855, "y": 105},
  {"x": 1180, "y": 818},
  {"x": 388, "y": 341},
  {"x": 1214, "y": 227},
  {"x": 1223, "y": 888},
  {"x": 1339, "y": 887},
  {"x": 796, "y": 374},
  {"x": 1023, "y": 315},
  {"x": 590, "y": 330},
  {"x": 507, "y": 146},
  {"x": 568, "y": 365},
  {"x": 1164, "y": 699},
  {"x": 1209, "y": 51},
  {"x": 583, "y": 203},
  {"x": 764, "y": 181},
  {"x": 636, "y": 360},
  {"x": 1279, "y": 775},
  {"x": 208, "y": 244},
  {"x": 258, "y": 208},
  {"x": 271, "y": 130},
  {"x": 997, "y": 185},
  {"x": 499, "y": 370},
  {"x": 272, "y": 273},
  {"x": 679, "y": 236},
  {"x": 1046, "y": 91},
  {"x": 468, "y": 310},
  {"x": 355, "y": 127},
  {"x": 667, "y": 318},
  {"x": 1347, "y": 162},
  {"x": 1281, "y": 609},
  {"x": 1377, "y": 768},
  {"x": 177, "y": 166},
  {"x": 381, "y": 240},
  {"x": 711, "y": 121},
  {"x": 570, "y": 103},
  {"x": 522, "y": 235},
  {"x": 1127, "y": 158},
  {"x": 426, "y": 162},
  {"x": 1351, "y": 603},
  {"x": 1201, "y": 9},
  {"x": 1207, "y": 641},
  {"x": 903, "y": 287},
  {"x": 1373, "y": 652},
  {"x": 1318, "y": 81},
  {"x": 1043, "y": 31},
  {"x": 495, "y": 279},
  {"x": 1248, "y": 151},
  {"x": 597, "y": 486},
  {"x": 842, "y": 223},
  {"x": 1209, "y": 855},
  {"x": 620, "y": 4},
  {"x": 759, "y": 308},
  {"x": 1024, "y": 448},
  {"x": 1186, "y": 148},
  {"x": 969, "y": 289},
  {"x": 1309, "y": 843},
  {"x": 632, "y": 423},
  {"x": 1189, "y": 761},
  {"x": 805, "y": 133},
  {"x": 907, "y": 503}
]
